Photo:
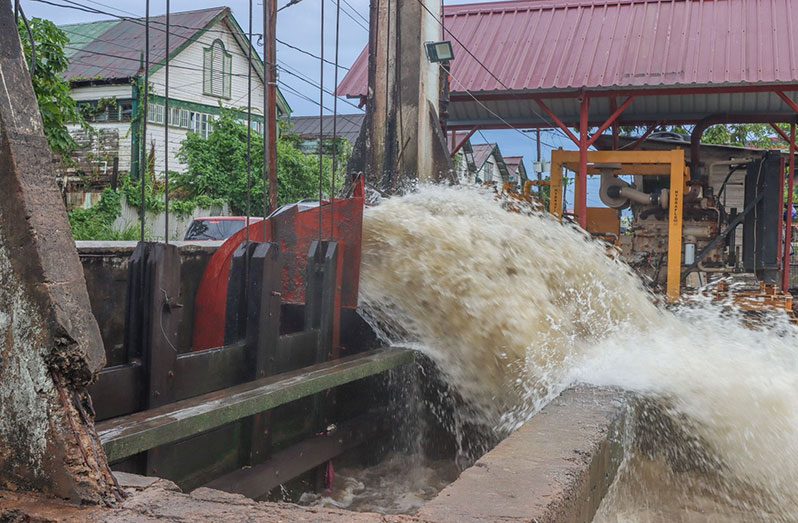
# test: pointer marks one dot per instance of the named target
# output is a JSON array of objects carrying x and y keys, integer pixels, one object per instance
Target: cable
[
  {"x": 321, "y": 114},
  {"x": 366, "y": 20},
  {"x": 145, "y": 116},
  {"x": 485, "y": 67},
  {"x": 166, "y": 133},
  {"x": 249, "y": 128},
  {"x": 355, "y": 20},
  {"x": 303, "y": 51},
  {"x": 335, "y": 121},
  {"x": 137, "y": 20},
  {"x": 505, "y": 122}
]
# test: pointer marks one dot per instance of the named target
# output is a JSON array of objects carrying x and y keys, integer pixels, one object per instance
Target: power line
[
  {"x": 485, "y": 67},
  {"x": 303, "y": 51},
  {"x": 92, "y": 10},
  {"x": 505, "y": 122},
  {"x": 78, "y": 6},
  {"x": 355, "y": 20},
  {"x": 355, "y": 11}
]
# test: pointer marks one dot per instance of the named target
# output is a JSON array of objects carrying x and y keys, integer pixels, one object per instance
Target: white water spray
[{"x": 513, "y": 308}]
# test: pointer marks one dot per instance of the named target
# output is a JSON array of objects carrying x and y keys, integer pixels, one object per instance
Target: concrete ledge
[{"x": 556, "y": 468}]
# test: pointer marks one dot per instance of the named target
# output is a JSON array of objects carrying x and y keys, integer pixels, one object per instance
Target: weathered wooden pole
[
  {"x": 402, "y": 140},
  {"x": 50, "y": 345}
]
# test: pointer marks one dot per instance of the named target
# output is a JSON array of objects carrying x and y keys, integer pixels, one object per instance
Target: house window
[
  {"x": 202, "y": 124},
  {"x": 217, "y": 70},
  {"x": 155, "y": 113}
]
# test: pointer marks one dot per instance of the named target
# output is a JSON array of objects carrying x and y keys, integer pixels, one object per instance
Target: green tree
[
  {"x": 217, "y": 168},
  {"x": 48, "y": 65}
]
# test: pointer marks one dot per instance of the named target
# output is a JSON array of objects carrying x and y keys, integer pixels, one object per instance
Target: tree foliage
[
  {"x": 217, "y": 168},
  {"x": 48, "y": 64}
]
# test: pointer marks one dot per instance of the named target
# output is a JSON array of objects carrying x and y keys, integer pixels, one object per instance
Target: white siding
[
  {"x": 155, "y": 133},
  {"x": 96, "y": 92},
  {"x": 186, "y": 81}
]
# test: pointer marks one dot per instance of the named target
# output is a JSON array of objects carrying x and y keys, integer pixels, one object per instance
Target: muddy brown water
[{"x": 515, "y": 307}]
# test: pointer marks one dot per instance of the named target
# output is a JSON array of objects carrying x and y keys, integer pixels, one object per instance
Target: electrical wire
[
  {"x": 321, "y": 114},
  {"x": 79, "y": 7},
  {"x": 166, "y": 132},
  {"x": 485, "y": 67},
  {"x": 335, "y": 121},
  {"x": 249, "y": 128},
  {"x": 505, "y": 122}
]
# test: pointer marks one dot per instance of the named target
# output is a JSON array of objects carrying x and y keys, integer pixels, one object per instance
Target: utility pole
[
  {"x": 270, "y": 104},
  {"x": 538, "y": 166}
]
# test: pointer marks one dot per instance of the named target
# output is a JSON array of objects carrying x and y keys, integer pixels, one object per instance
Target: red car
[{"x": 217, "y": 227}]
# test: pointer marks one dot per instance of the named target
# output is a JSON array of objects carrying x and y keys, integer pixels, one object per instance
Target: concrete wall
[
  {"x": 154, "y": 222},
  {"x": 556, "y": 468},
  {"x": 105, "y": 266}
]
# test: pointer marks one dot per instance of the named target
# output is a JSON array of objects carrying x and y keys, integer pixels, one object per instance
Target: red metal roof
[{"x": 555, "y": 45}]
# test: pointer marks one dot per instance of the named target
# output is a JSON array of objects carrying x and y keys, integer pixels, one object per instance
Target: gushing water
[{"x": 515, "y": 307}]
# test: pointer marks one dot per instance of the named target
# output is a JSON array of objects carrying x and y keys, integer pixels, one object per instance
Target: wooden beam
[
  {"x": 258, "y": 480},
  {"x": 129, "y": 435}
]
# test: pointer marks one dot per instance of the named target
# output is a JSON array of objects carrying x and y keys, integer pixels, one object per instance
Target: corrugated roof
[
  {"x": 513, "y": 164},
  {"x": 112, "y": 50},
  {"x": 548, "y": 46},
  {"x": 82, "y": 34},
  {"x": 348, "y": 126},
  {"x": 482, "y": 152}
]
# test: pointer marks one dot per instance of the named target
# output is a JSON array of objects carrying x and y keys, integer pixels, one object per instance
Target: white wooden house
[
  {"x": 482, "y": 163},
  {"x": 208, "y": 68}
]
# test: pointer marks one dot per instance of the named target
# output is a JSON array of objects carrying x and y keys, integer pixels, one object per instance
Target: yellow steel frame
[{"x": 642, "y": 163}]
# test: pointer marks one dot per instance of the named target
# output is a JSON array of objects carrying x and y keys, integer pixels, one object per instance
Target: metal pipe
[
  {"x": 716, "y": 119},
  {"x": 643, "y": 198}
]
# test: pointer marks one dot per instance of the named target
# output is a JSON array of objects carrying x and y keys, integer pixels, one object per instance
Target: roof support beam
[
  {"x": 550, "y": 113},
  {"x": 611, "y": 120},
  {"x": 789, "y": 101},
  {"x": 651, "y": 128},
  {"x": 456, "y": 146}
]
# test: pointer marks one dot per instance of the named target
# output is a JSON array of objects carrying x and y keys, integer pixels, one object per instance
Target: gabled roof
[
  {"x": 560, "y": 48},
  {"x": 348, "y": 126},
  {"x": 593, "y": 44},
  {"x": 514, "y": 165},
  {"x": 482, "y": 151},
  {"x": 112, "y": 49}
]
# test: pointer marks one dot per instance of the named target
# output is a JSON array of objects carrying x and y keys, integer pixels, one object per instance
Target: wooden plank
[
  {"x": 263, "y": 334},
  {"x": 296, "y": 350},
  {"x": 117, "y": 391},
  {"x": 209, "y": 370},
  {"x": 122, "y": 437},
  {"x": 255, "y": 482}
]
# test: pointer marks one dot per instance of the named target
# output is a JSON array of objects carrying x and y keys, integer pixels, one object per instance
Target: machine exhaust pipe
[{"x": 617, "y": 193}]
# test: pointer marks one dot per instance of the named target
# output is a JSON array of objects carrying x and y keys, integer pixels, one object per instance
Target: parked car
[{"x": 217, "y": 227}]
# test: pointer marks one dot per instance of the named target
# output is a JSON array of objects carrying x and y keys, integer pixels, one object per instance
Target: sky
[{"x": 299, "y": 25}]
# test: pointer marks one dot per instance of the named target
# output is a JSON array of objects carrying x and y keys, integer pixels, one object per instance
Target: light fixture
[{"x": 439, "y": 51}]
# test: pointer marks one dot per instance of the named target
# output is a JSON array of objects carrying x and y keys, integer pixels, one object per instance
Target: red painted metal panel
[
  {"x": 293, "y": 230},
  {"x": 615, "y": 44}
]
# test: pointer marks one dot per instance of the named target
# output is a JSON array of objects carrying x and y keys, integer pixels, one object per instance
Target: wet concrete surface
[{"x": 556, "y": 468}]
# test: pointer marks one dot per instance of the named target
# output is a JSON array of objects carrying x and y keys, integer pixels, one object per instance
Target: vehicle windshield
[{"x": 213, "y": 229}]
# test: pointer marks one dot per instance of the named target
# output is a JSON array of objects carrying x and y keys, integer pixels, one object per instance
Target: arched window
[{"x": 217, "y": 70}]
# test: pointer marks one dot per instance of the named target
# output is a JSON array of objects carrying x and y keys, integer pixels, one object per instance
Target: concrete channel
[{"x": 555, "y": 468}]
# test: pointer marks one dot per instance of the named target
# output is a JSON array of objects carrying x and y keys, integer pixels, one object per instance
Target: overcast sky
[{"x": 298, "y": 25}]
